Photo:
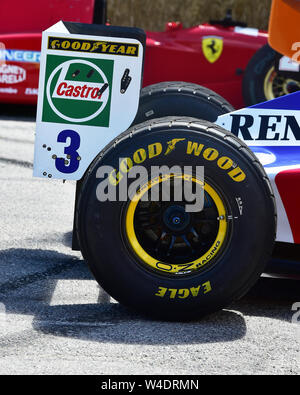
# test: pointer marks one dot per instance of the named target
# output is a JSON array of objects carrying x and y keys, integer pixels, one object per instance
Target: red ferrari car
[{"x": 225, "y": 56}]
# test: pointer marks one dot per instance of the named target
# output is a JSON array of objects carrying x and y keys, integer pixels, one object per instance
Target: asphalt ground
[{"x": 54, "y": 318}]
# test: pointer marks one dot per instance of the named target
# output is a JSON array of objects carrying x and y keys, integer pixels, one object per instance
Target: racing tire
[
  {"x": 261, "y": 82},
  {"x": 207, "y": 267},
  {"x": 180, "y": 98}
]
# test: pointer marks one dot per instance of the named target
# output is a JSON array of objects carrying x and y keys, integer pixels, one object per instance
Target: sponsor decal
[
  {"x": 125, "y": 81},
  {"x": 31, "y": 91},
  {"x": 17, "y": 55},
  {"x": 78, "y": 90},
  {"x": 210, "y": 154},
  {"x": 212, "y": 47},
  {"x": 2, "y": 48},
  {"x": 10, "y": 91},
  {"x": 210, "y": 255},
  {"x": 172, "y": 145},
  {"x": 183, "y": 293},
  {"x": 263, "y": 126},
  {"x": 11, "y": 74},
  {"x": 93, "y": 46}
]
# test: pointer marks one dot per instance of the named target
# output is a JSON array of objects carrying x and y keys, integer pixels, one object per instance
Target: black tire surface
[
  {"x": 255, "y": 73},
  {"x": 100, "y": 227},
  {"x": 180, "y": 98}
]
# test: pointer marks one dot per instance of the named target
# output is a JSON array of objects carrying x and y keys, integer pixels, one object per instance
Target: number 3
[{"x": 70, "y": 150}]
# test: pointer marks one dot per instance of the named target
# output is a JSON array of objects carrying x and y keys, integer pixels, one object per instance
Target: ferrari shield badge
[{"x": 212, "y": 47}]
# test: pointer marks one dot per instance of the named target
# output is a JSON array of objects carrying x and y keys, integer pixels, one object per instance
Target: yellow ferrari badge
[{"x": 212, "y": 47}]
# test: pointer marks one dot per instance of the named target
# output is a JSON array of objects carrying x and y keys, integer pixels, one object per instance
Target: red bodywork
[
  {"x": 177, "y": 56},
  {"x": 173, "y": 55},
  {"x": 289, "y": 188}
]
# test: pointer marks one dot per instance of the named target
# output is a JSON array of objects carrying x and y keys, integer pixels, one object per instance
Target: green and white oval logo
[{"x": 78, "y": 90}]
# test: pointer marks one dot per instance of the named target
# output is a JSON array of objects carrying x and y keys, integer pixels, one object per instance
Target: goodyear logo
[
  {"x": 192, "y": 148},
  {"x": 93, "y": 46}
]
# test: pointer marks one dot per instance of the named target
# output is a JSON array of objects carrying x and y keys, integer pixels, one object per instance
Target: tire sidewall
[
  {"x": 180, "y": 99},
  {"x": 101, "y": 229}
]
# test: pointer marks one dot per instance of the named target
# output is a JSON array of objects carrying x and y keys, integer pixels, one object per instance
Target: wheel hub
[
  {"x": 292, "y": 86},
  {"x": 276, "y": 85},
  {"x": 176, "y": 219}
]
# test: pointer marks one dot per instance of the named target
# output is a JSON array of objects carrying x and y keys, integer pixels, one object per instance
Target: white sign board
[{"x": 89, "y": 87}]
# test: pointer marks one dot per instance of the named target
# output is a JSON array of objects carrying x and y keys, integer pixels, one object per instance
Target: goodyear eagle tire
[
  {"x": 155, "y": 257},
  {"x": 180, "y": 98},
  {"x": 261, "y": 82}
]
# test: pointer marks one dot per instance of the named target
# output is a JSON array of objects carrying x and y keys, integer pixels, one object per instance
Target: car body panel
[
  {"x": 288, "y": 183},
  {"x": 35, "y": 16},
  {"x": 273, "y": 134},
  {"x": 13, "y": 62},
  {"x": 176, "y": 54}
]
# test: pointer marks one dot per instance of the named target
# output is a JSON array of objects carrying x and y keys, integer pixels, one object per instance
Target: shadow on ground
[{"x": 106, "y": 321}]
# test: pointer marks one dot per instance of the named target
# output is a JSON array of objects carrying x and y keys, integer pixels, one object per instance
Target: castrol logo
[
  {"x": 77, "y": 90},
  {"x": 80, "y": 91}
]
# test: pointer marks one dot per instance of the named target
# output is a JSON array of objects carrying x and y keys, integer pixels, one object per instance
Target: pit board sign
[{"x": 89, "y": 87}]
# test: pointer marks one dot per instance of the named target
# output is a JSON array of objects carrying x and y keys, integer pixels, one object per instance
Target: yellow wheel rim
[
  {"x": 171, "y": 267},
  {"x": 276, "y": 85}
]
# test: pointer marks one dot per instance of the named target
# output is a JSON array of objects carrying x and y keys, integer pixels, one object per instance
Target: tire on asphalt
[
  {"x": 180, "y": 98},
  {"x": 155, "y": 257}
]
